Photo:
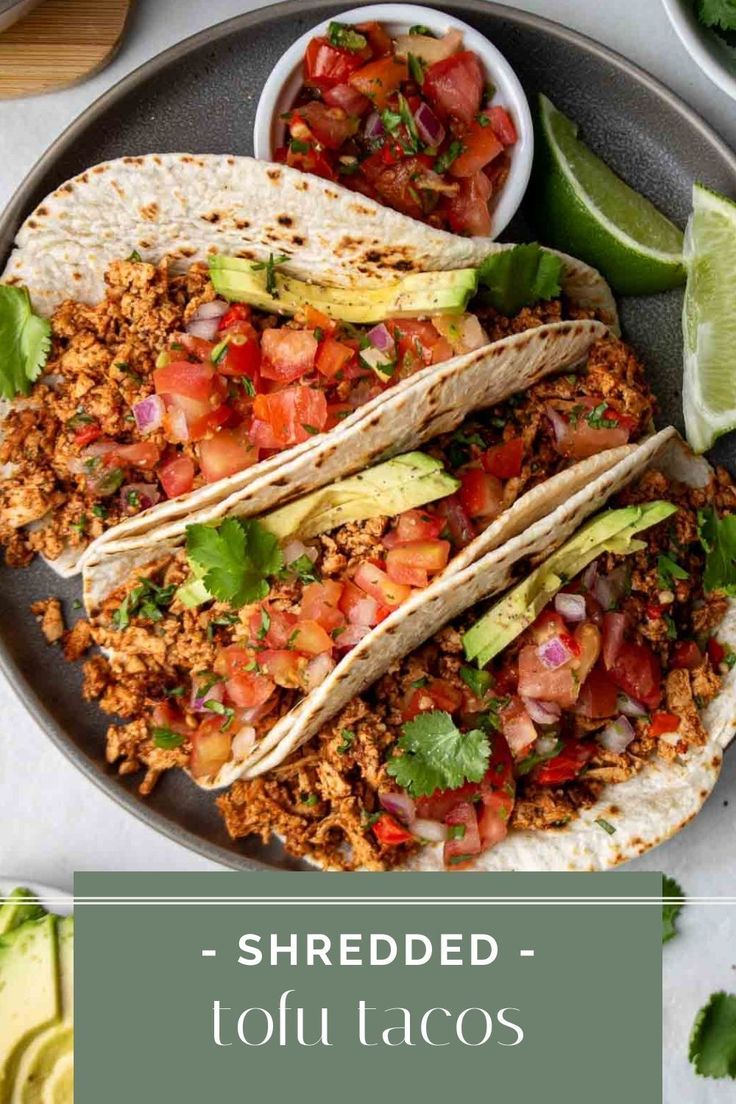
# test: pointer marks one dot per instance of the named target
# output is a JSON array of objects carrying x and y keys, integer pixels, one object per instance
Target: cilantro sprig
[
  {"x": 25, "y": 342},
  {"x": 236, "y": 559},
  {"x": 718, "y": 538},
  {"x": 672, "y": 909},
  {"x": 668, "y": 571},
  {"x": 269, "y": 267},
  {"x": 147, "y": 601},
  {"x": 713, "y": 1040},
  {"x": 519, "y": 277},
  {"x": 437, "y": 755}
]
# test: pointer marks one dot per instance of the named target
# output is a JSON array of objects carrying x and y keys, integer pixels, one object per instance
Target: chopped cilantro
[
  {"x": 135, "y": 256},
  {"x": 416, "y": 68},
  {"x": 367, "y": 820},
  {"x": 76, "y": 604},
  {"x": 269, "y": 267},
  {"x": 713, "y": 1040},
  {"x": 310, "y": 429},
  {"x": 668, "y": 570},
  {"x": 419, "y": 683},
  {"x": 443, "y": 162},
  {"x": 80, "y": 526},
  {"x": 519, "y": 277},
  {"x": 147, "y": 600},
  {"x": 459, "y": 448},
  {"x": 348, "y": 738},
  {"x": 672, "y": 910},
  {"x": 606, "y": 826},
  {"x": 437, "y": 755},
  {"x": 166, "y": 738},
  {"x": 309, "y": 799},
  {"x": 414, "y": 144},
  {"x": 719, "y": 14},
  {"x": 482, "y": 119},
  {"x": 597, "y": 419},
  {"x": 265, "y": 623},
  {"x": 346, "y": 37},
  {"x": 223, "y": 620},
  {"x": 221, "y": 710},
  {"x": 490, "y": 90},
  {"x": 420, "y": 29},
  {"x": 456, "y": 831},
  {"x": 478, "y": 681},
  {"x": 297, "y": 146},
  {"x": 219, "y": 351},
  {"x": 346, "y": 166},
  {"x": 670, "y": 626},
  {"x": 391, "y": 120},
  {"x": 237, "y": 556},
  {"x": 132, "y": 498},
  {"x": 176, "y": 692},
  {"x": 122, "y": 366},
  {"x": 25, "y": 342},
  {"x": 205, "y": 681},
  {"x": 718, "y": 538},
  {"x": 81, "y": 418},
  {"x": 99, "y": 510},
  {"x": 524, "y": 766},
  {"x": 303, "y": 568}
]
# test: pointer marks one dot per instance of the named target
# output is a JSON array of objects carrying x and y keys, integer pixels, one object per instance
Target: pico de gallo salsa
[{"x": 410, "y": 121}]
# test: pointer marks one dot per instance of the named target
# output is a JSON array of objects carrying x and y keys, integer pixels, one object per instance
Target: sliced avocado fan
[{"x": 611, "y": 531}]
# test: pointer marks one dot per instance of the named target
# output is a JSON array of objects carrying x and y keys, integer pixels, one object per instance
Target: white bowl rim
[
  {"x": 684, "y": 22},
  {"x": 508, "y": 90}
]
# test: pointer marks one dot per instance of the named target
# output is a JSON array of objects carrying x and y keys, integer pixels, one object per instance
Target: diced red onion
[
  {"x": 399, "y": 805},
  {"x": 243, "y": 742},
  {"x": 617, "y": 735},
  {"x": 178, "y": 424},
  {"x": 250, "y": 716},
  {"x": 351, "y": 635},
  {"x": 518, "y": 729},
  {"x": 429, "y": 48},
  {"x": 430, "y": 128},
  {"x": 317, "y": 670},
  {"x": 545, "y": 745},
  {"x": 197, "y": 698},
  {"x": 373, "y": 126},
  {"x": 430, "y": 830},
  {"x": 214, "y": 309},
  {"x": 629, "y": 706},
  {"x": 294, "y": 550},
  {"x": 553, "y": 653},
  {"x": 145, "y": 496},
  {"x": 607, "y": 589},
  {"x": 590, "y": 575},
  {"x": 381, "y": 339},
  {"x": 364, "y": 611},
  {"x": 149, "y": 413},
  {"x": 559, "y": 425},
  {"x": 206, "y": 328},
  {"x": 544, "y": 713},
  {"x": 570, "y": 606}
]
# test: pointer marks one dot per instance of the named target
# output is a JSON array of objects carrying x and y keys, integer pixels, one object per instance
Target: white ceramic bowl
[
  {"x": 709, "y": 52},
  {"x": 282, "y": 86}
]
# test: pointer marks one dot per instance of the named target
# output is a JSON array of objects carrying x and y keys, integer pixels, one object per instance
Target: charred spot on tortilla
[
  {"x": 130, "y": 160},
  {"x": 212, "y": 216},
  {"x": 285, "y": 220},
  {"x": 149, "y": 212},
  {"x": 297, "y": 239},
  {"x": 301, "y": 186},
  {"x": 273, "y": 174},
  {"x": 242, "y": 224}
]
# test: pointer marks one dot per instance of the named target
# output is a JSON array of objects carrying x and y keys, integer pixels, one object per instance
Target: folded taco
[
  {"x": 572, "y": 723},
  {"x": 187, "y": 335}
]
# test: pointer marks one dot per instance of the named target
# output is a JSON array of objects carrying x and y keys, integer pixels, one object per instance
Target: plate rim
[{"x": 11, "y": 219}]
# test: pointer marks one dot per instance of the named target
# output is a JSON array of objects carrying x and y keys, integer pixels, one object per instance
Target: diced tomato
[
  {"x": 394, "y": 180},
  {"x": 577, "y": 439},
  {"x": 505, "y": 460},
  {"x": 234, "y": 660},
  {"x": 687, "y": 654},
  {"x": 564, "y": 767},
  {"x": 455, "y": 86},
  {"x": 467, "y": 210},
  {"x": 287, "y": 354},
  {"x": 293, "y": 415},
  {"x": 378, "y": 80},
  {"x": 309, "y": 161},
  {"x": 481, "y": 494},
  {"x": 598, "y": 696},
  {"x": 481, "y": 145},
  {"x": 588, "y": 639},
  {"x": 538, "y": 681},
  {"x": 249, "y": 689},
  {"x": 498, "y": 779},
  {"x": 331, "y": 126},
  {"x": 716, "y": 652},
  {"x": 636, "y": 671},
  {"x": 309, "y": 636},
  {"x": 390, "y": 833},
  {"x": 86, "y": 434},
  {"x": 191, "y": 379},
  {"x": 493, "y": 819},
  {"x": 417, "y": 525},
  {"x": 376, "y": 582},
  {"x": 228, "y": 452},
  {"x": 420, "y": 557},
  {"x": 195, "y": 346},
  {"x": 243, "y": 358},
  {"x": 166, "y": 715},
  {"x": 348, "y": 98},
  {"x": 280, "y": 626},
  {"x": 379, "y": 40},
  {"x": 464, "y": 838},
  {"x": 437, "y": 694},
  {"x": 236, "y": 312},
  {"x": 326, "y": 66},
  {"x": 332, "y": 357},
  {"x": 360, "y": 608},
  {"x": 317, "y": 320},
  {"x": 284, "y": 666},
  {"x": 459, "y": 526},
  {"x": 503, "y": 125},
  {"x": 662, "y": 723},
  {"x": 176, "y": 476},
  {"x": 549, "y": 623},
  {"x": 415, "y": 338},
  {"x": 321, "y": 602},
  {"x": 517, "y": 727},
  {"x": 406, "y": 573},
  {"x": 143, "y": 454},
  {"x": 614, "y": 629},
  {"x": 211, "y": 748},
  {"x": 210, "y": 422}
]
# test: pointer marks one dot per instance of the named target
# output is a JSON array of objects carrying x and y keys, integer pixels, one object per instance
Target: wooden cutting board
[{"x": 60, "y": 43}]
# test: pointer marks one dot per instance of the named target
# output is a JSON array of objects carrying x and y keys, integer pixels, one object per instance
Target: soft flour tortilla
[
  {"x": 187, "y": 207},
  {"x": 434, "y": 401}
]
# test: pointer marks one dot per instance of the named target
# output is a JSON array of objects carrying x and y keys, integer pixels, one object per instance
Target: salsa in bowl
[{"x": 409, "y": 107}]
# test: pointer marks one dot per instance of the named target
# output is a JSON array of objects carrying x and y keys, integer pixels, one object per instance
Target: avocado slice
[
  {"x": 400, "y": 484},
  {"x": 20, "y": 906},
  {"x": 39, "y": 1060},
  {"x": 29, "y": 992},
  {"x": 611, "y": 531},
  {"x": 415, "y": 295}
]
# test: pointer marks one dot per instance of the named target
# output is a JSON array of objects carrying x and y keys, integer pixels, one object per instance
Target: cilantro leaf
[
  {"x": 713, "y": 1039},
  {"x": 166, "y": 738},
  {"x": 668, "y": 570},
  {"x": 718, "y": 538},
  {"x": 237, "y": 557},
  {"x": 345, "y": 36},
  {"x": 147, "y": 601},
  {"x": 437, "y": 755},
  {"x": 717, "y": 13},
  {"x": 670, "y": 912},
  {"x": 477, "y": 681},
  {"x": 519, "y": 277},
  {"x": 25, "y": 341}
]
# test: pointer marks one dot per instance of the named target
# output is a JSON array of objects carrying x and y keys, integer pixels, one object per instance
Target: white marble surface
[{"x": 53, "y": 821}]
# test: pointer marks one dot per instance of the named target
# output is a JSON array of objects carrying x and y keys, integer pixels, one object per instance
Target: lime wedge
[
  {"x": 585, "y": 209},
  {"x": 709, "y": 319}
]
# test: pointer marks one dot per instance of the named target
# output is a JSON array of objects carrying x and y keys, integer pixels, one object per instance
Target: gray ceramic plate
[{"x": 201, "y": 96}]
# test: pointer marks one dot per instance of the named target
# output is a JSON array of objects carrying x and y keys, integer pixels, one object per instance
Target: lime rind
[{"x": 709, "y": 319}]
